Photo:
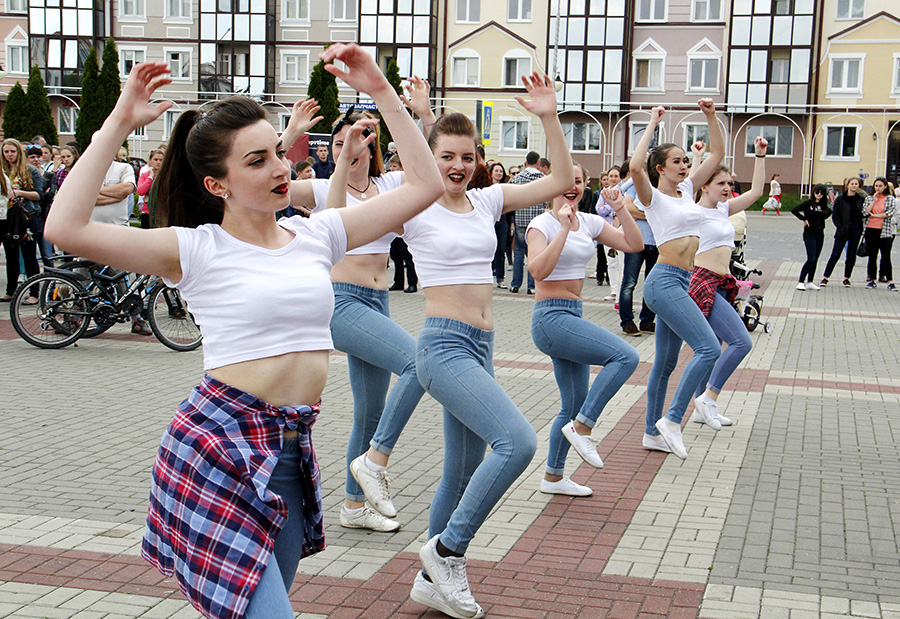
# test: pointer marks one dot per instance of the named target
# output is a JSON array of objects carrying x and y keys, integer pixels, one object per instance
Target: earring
[{"x": 225, "y": 197}]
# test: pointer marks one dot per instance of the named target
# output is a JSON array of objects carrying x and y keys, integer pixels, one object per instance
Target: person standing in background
[{"x": 323, "y": 166}]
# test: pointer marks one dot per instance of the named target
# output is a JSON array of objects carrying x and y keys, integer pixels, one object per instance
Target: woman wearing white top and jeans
[
  {"x": 236, "y": 498},
  {"x": 667, "y": 193}
]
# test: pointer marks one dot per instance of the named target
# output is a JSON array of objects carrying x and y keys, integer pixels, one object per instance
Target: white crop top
[
  {"x": 673, "y": 218},
  {"x": 579, "y": 247},
  {"x": 456, "y": 248},
  {"x": 715, "y": 228},
  {"x": 251, "y": 302},
  {"x": 385, "y": 182}
]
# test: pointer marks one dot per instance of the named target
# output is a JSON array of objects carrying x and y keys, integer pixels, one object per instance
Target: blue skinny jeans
[
  {"x": 454, "y": 362},
  {"x": 730, "y": 329},
  {"x": 574, "y": 345},
  {"x": 376, "y": 347},
  {"x": 679, "y": 320},
  {"x": 519, "y": 253}
]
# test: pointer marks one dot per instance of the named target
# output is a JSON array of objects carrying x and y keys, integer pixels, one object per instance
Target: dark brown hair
[
  {"x": 886, "y": 191},
  {"x": 376, "y": 162},
  {"x": 658, "y": 157},
  {"x": 452, "y": 124}
]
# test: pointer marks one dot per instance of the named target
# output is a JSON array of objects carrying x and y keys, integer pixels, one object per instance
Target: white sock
[
  {"x": 353, "y": 511},
  {"x": 372, "y": 466}
]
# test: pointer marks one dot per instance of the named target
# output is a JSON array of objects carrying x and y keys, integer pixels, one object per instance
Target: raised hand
[
  {"x": 656, "y": 114},
  {"x": 698, "y": 148},
  {"x": 707, "y": 106},
  {"x": 355, "y": 142},
  {"x": 133, "y": 107},
  {"x": 760, "y": 144},
  {"x": 613, "y": 197},
  {"x": 303, "y": 116},
  {"x": 542, "y": 96},
  {"x": 417, "y": 100},
  {"x": 566, "y": 215},
  {"x": 362, "y": 74}
]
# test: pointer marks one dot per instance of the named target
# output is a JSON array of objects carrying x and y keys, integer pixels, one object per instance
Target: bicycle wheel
[
  {"x": 170, "y": 320},
  {"x": 83, "y": 267},
  {"x": 60, "y": 316}
]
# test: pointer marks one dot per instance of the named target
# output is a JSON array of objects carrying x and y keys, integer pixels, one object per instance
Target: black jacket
[
  {"x": 813, "y": 212},
  {"x": 848, "y": 213}
]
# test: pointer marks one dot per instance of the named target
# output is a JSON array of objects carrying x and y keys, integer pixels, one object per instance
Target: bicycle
[{"x": 70, "y": 298}]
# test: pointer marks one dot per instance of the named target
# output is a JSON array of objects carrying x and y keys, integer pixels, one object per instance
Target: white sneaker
[
  {"x": 448, "y": 575},
  {"x": 655, "y": 443},
  {"x": 584, "y": 445},
  {"x": 696, "y": 417},
  {"x": 374, "y": 485},
  {"x": 709, "y": 411},
  {"x": 427, "y": 594},
  {"x": 565, "y": 486},
  {"x": 801, "y": 286},
  {"x": 671, "y": 433},
  {"x": 368, "y": 518},
  {"x": 811, "y": 286},
  {"x": 610, "y": 297}
]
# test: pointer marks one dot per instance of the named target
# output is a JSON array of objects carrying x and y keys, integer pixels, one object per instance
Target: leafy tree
[
  {"x": 323, "y": 88},
  {"x": 91, "y": 115},
  {"x": 39, "y": 108},
  {"x": 393, "y": 78},
  {"x": 16, "y": 116},
  {"x": 109, "y": 83}
]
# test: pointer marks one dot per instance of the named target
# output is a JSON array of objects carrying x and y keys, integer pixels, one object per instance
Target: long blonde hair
[{"x": 18, "y": 171}]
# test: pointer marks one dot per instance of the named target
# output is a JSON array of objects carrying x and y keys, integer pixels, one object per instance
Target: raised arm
[
  {"x": 377, "y": 216},
  {"x": 738, "y": 204},
  {"x": 69, "y": 225},
  {"x": 542, "y": 104},
  {"x": 418, "y": 102},
  {"x": 628, "y": 237},
  {"x": 700, "y": 174},
  {"x": 639, "y": 158},
  {"x": 354, "y": 144},
  {"x": 303, "y": 117}
]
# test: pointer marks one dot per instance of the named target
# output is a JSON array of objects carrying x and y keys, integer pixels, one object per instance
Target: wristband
[
  {"x": 616, "y": 210},
  {"x": 761, "y": 156},
  {"x": 429, "y": 124}
]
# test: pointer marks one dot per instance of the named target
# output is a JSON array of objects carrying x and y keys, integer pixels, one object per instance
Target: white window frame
[
  {"x": 470, "y": 20},
  {"x": 185, "y": 14},
  {"x": 711, "y": 53},
  {"x": 72, "y": 113},
  {"x": 518, "y": 55},
  {"x": 303, "y": 65},
  {"x": 468, "y": 55},
  {"x": 826, "y": 157},
  {"x": 690, "y": 139},
  {"x": 127, "y": 49},
  {"x": 846, "y": 91},
  {"x": 170, "y": 117},
  {"x": 640, "y": 3},
  {"x": 695, "y": 16},
  {"x": 139, "y": 14},
  {"x": 168, "y": 51},
  {"x": 895, "y": 87},
  {"x": 520, "y": 9},
  {"x": 295, "y": 21},
  {"x": 140, "y": 133},
  {"x": 849, "y": 15},
  {"x": 343, "y": 19},
  {"x": 570, "y": 136},
  {"x": 754, "y": 131},
  {"x": 661, "y": 132},
  {"x": 650, "y": 51},
  {"x": 519, "y": 122},
  {"x": 18, "y": 40},
  {"x": 21, "y": 8}
]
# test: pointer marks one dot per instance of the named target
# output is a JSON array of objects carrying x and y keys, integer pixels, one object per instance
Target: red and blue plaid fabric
[
  {"x": 704, "y": 284},
  {"x": 212, "y": 522}
]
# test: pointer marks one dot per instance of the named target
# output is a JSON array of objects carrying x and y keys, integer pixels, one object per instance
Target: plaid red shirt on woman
[
  {"x": 212, "y": 522},
  {"x": 705, "y": 283}
]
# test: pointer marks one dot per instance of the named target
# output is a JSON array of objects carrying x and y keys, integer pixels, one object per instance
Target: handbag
[
  {"x": 17, "y": 225},
  {"x": 863, "y": 250}
]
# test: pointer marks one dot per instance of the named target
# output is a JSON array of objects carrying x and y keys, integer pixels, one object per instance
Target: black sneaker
[
  {"x": 648, "y": 327},
  {"x": 846, "y": 282}
]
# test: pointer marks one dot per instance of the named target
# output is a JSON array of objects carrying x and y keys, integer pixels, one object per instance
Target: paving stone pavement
[{"x": 793, "y": 512}]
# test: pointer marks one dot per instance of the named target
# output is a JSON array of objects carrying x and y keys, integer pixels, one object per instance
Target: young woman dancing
[
  {"x": 560, "y": 244},
  {"x": 236, "y": 477},
  {"x": 453, "y": 245},
  {"x": 667, "y": 193},
  {"x": 713, "y": 287}
]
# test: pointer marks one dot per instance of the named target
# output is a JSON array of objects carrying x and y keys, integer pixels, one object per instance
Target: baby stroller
[{"x": 748, "y": 306}]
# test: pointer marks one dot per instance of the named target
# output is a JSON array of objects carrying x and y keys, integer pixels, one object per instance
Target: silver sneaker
[
  {"x": 448, "y": 574},
  {"x": 374, "y": 485},
  {"x": 427, "y": 594},
  {"x": 368, "y": 518}
]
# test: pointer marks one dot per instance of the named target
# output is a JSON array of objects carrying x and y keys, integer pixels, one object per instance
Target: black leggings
[
  {"x": 851, "y": 243},
  {"x": 883, "y": 246},
  {"x": 814, "y": 242}
]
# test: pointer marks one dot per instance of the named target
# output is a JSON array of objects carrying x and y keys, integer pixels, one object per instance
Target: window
[
  {"x": 851, "y": 9},
  {"x": 67, "y": 118},
  {"x": 17, "y": 57},
  {"x": 129, "y": 58},
  {"x": 648, "y": 73},
  {"x": 514, "y": 134},
  {"x": 780, "y": 140},
  {"x": 783, "y": 7},
  {"x": 466, "y": 70},
  {"x": 841, "y": 142},
  {"x": 694, "y": 132},
  {"x": 781, "y": 67},
  {"x": 170, "y": 117},
  {"x": 295, "y": 10},
  {"x": 514, "y": 67},
  {"x": 582, "y": 137},
  {"x": 140, "y": 133},
  {"x": 651, "y": 10},
  {"x": 132, "y": 8},
  {"x": 180, "y": 64},
  {"x": 637, "y": 132},
  {"x": 343, "y": 10},
  {"x": 846, "y": 75},
  {"x": 707, "y": 10},
  {"x": 294, "y": 67},
  {"x": 468, "y": 11},
  {"x": 17, "y": 6},
  {"x": 519, "y": 10},
  {"x": 704, "y": 74},
  {"x": 895, "y": 89},
  {"x": 178, "y": 9}
]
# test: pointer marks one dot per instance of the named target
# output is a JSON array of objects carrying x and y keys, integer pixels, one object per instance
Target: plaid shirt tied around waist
[
  {"x": 705, "y": 283},
  {"x": 212, "y": 522}
]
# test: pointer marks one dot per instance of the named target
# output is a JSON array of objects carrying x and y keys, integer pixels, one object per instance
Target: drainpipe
[
  {"x": 812, "y": 123},
  {"x": 444, "y": 56}
]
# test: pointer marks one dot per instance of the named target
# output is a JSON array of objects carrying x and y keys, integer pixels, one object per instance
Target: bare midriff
[
  {"x": 368, "y": 270},
  {"x": 468, "y": 303},
  {"x": 560, "y": 289},
  {"x": 679, "y": 252},
  {"x": 716, "y": 259}
]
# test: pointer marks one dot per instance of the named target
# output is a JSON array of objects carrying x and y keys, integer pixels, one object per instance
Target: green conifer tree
[
  {"x": 15, "y": 114},
  {"x": 91, "y": 115},
  {"x": 109, "y": 84},
  {"x": 323, "y": 88},
  {"x": 39, "y": 108}
]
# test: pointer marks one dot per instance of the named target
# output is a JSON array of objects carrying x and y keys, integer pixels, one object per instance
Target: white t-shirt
[
  {"x": 715, "y": 228},
  {"x": 251, "y": 302},
  {"x": 456, "y": 248},
  {"x": 673, "y": 218},
  {"x": 385, "y": 182},
  {"x": 117, "y": 213},
  {"x": 579, "y": 247}
]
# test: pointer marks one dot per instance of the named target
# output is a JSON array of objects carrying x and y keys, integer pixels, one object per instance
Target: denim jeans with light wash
[
  {"x": 679, "y": 320},
  {"x": 270, "y": 597},
  {"x": 454, "y": 362},
  {"x": 574, "y": 345},
  {"x": 376, "y": 347},
  {"x": 519, "y": 252},
  {"x": 630, "y": 272},
  {"x": 729, "y": 328}
]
